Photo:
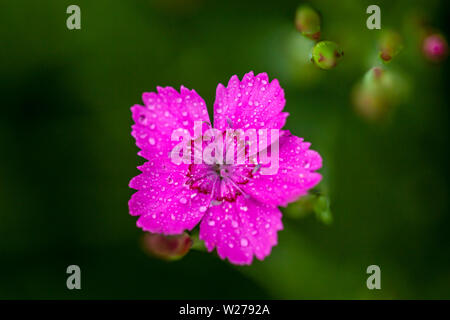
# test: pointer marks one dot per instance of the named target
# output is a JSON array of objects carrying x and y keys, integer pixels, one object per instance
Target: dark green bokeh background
[{"x": 67, "y": 155}]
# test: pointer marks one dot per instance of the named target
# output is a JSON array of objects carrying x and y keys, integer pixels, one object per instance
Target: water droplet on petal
[
  {"x": 202, "y": 209},
  {"x": 142, "y": 119}
]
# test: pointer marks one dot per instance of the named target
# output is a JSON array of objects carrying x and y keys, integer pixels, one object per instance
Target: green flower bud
[
  {"x": 379, "y": 92},
  {"x": 326, "y": 54},
  {"x": 312, "y": 203},
  {"x": 307, "y": 21},
  {"x": 322, "y": 210},
  {"x": 167, "y": 247},
  {"x": 302, "y": 207},
  {"x": 389, "y": 44}
]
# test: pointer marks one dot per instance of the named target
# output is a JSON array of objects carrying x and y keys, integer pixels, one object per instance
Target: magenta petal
[
  {"x": 295, "y": 176},
  {"x": 171, "y": 211},
  {"x": 164, "y": 202},
  {"x": 253, "y": 102},
  {"x": 239, "y": 230},
  {"x": 179, "y": 212},
  {"x": 163, "y": 113}
]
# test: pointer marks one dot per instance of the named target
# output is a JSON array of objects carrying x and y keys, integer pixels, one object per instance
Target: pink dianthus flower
[{"x": 236, "y": 205}]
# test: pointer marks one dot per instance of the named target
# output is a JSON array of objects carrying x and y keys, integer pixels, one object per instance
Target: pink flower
[
  {"x": 435, "y": 47},
  {"x": 235, "y": 205}
]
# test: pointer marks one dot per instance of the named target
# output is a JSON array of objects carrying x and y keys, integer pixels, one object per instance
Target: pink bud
[
  {"x": 167, "y": 247},
  {"x": 435, "y": 47}
]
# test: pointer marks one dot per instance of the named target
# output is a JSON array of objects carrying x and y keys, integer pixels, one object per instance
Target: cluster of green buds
[
  {"x": 381, "y": 88},
  {"x": 325, "y": 54}
]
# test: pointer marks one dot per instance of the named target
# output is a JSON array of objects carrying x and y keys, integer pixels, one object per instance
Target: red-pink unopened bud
[
  {"x": 167, "y": 247},
  {"x": 435, "y": 47}
]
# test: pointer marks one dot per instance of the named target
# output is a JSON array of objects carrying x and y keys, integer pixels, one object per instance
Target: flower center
[{"x": 221, "y": 181}]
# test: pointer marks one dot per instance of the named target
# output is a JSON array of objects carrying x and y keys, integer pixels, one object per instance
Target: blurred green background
[{"x": 67, "y": 154}]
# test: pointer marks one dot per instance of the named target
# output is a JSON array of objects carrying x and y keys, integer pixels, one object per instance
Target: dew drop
[
  {"x": 244, "y": 242},
  {"x": 183, "y": 200},
  {"x": 142, "y": 119},
  {"x": 152, "y": 141},
  {"x": 202, "y": 209}
]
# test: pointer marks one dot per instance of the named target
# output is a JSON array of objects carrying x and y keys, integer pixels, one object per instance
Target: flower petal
[
  {"x": 295, "y": 176},
  {"x": 253, "y": 103},
  {"x": 163, "y": 113},
  {"x": 164, "y": 202},
  {"x": 241, "y": 229},
  {"x": 176, "y": 211}
]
